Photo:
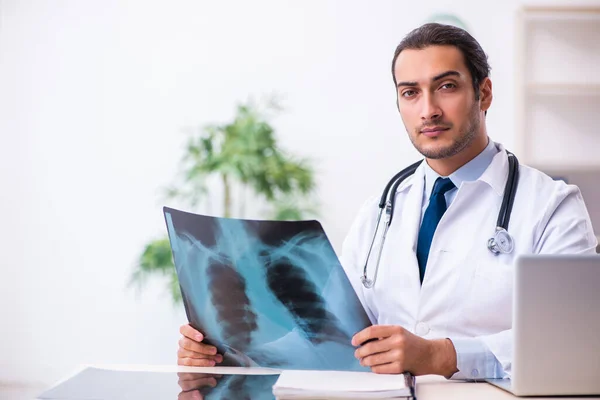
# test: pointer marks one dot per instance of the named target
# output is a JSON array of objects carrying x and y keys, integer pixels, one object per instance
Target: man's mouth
[{"x": 434, "y": 131}]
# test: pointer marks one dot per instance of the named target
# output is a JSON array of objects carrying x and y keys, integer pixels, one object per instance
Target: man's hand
[
  {"x": 191, "y": 383},
  {"x": 192, "y": 352},
  {"x": 395, "y": 350}
]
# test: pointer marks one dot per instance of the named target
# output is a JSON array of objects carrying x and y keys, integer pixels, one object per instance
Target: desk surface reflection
[{"x": 101, "y": 384}]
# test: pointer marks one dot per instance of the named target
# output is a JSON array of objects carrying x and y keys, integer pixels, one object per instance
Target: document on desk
[
  {"x": 266, "y": 293},
  {"x": 343, "y": 385}
]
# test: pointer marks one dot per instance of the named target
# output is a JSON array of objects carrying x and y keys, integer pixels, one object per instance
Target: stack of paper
[{"x": 294, "y": 384}]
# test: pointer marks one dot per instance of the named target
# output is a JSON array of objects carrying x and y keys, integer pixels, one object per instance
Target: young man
[{"x": 442, "y": 301}]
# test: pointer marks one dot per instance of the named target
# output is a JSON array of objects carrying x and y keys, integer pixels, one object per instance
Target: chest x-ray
[{"x": 266, "y": 293}]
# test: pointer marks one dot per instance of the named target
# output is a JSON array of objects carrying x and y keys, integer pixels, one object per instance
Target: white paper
[{"x": 337, "y": 383}]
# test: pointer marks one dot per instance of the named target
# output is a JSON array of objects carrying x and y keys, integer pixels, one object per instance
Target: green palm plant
[{"x": 243, "y": 153}]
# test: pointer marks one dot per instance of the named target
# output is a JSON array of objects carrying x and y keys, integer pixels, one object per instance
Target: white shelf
[
  {"x": 562, "y": 52},
  {"x": 558, "y": 170},
  {"x": 563, "y": 89},
  {"x": 555, "y": 170},
  {"x": 558, "y": 87},
  {"x": 562, "y": 133},
  {"x": 559, "y": 16}
]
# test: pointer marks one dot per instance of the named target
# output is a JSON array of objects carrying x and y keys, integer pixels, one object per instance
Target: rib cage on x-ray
[
  {"x": 266, "y": 293},
  {"x": 233, "y": 308},
  {"x": 291, "y": 286}
]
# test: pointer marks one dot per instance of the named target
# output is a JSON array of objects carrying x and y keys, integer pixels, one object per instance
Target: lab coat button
[
  {"x": 422, "y": 329},
  {"x": 475, "y": 373}
]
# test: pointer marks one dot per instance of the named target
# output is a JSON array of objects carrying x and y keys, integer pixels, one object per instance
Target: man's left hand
[{"x": 395, "y": 350}]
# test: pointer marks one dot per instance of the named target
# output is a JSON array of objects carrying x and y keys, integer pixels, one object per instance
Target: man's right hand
[{"x": 192, "y": 352}]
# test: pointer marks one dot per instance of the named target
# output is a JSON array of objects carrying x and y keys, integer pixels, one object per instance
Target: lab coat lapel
[
  {"x": 397, "y": 292},
  {"x": 411, "y": 222},
  {"x": 497, "y": 173}
]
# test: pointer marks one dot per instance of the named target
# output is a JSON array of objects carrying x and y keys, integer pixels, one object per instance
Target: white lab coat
[{"x": 467, "y": 291}]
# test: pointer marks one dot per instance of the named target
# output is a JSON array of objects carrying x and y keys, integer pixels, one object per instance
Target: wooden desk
[
  {"x": 432, "y": 387},
  {"x": 429, "y": 387}
]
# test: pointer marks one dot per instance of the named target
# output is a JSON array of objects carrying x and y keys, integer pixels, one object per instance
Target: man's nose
[{"x": 430, "y": 109}]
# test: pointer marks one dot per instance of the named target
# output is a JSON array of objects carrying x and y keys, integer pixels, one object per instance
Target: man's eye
[
  {"x": 448, "y": 86},
  {"x": 408, "y": 93}
]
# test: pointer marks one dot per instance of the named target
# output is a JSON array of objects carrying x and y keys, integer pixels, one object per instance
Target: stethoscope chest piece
[
  {"x": 502, "y": 242},
  {"x": 368, "y": 283}
]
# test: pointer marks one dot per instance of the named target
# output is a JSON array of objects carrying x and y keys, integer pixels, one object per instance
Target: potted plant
[{"x": 244, "y": 154}]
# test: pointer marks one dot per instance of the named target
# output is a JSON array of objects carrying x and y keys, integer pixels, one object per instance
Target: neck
[{"x": 446, "y": 166}]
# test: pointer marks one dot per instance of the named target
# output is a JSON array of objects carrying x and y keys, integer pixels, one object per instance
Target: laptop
[{"x": 556, "y": 326}]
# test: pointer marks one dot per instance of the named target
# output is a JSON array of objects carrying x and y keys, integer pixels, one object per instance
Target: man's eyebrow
[
  {"x": 406, "y": 84},
  {"x": 435, "y": 78},
  {"x": 445, "y": 74}
]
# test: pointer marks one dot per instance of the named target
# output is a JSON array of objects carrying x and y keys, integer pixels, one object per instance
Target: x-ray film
[{"x": 266, "y": 293}]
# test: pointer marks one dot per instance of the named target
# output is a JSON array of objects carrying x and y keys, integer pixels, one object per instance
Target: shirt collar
[{"x": 469, "y": 172}]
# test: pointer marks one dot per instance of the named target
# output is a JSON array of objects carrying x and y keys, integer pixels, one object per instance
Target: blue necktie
[{"x": 431, "y": 219}]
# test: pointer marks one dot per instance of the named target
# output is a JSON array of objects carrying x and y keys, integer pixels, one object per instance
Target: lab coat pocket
[{"x": 489, "y": 304}]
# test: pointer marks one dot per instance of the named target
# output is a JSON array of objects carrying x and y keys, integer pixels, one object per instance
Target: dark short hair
[{"x": 434, "y": 34}]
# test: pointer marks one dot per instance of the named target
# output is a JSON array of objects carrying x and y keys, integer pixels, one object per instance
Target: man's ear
[{"x": 485, "y": 94}]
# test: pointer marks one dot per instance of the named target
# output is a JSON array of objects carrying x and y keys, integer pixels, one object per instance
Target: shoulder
[
  {"x": 370, "y": 208},
  {"x": 367, "y": 211},
  {"x": 561, "y": 220},
  {"x": 539, "y": 187},
  {"x": 357, "y": 236}
]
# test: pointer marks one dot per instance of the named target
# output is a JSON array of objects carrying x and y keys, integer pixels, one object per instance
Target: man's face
[{"x": 436, "y": 100}]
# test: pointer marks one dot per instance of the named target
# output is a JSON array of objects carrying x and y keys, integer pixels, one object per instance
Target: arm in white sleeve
[
  {"x": 474, "y": 360},
  {"x": 564, "y": 228},
  {"x": 353, "y": 250}
]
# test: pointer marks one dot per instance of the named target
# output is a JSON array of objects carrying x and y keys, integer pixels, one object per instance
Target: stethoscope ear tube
[
  {"x": 513, "y": 188},
  {"x": 368, "y": 283},
  {"x": 388, "y": 205},
  {"x": 396, "y": 181},
  {"x": 405, "y": 173},
  {"x": 502, "y": 242},
  {"x": 509, "y": 189}
]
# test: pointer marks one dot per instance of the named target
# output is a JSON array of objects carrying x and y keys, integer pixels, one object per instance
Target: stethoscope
[{"x": 501, "y": 242}]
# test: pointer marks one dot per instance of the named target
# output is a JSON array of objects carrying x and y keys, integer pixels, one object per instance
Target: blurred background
[{"x": 99, "y": 100}]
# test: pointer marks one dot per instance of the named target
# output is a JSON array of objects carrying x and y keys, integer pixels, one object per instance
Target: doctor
[{"x": 441, "y": 301}]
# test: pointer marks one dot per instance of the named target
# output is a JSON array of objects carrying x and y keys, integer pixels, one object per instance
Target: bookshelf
[
  {"x": 558, "y": 87},
  {"x": 557, "y": 79}
]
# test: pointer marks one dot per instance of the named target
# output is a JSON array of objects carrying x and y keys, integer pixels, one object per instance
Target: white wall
[{"x": 93, "y": 97}]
